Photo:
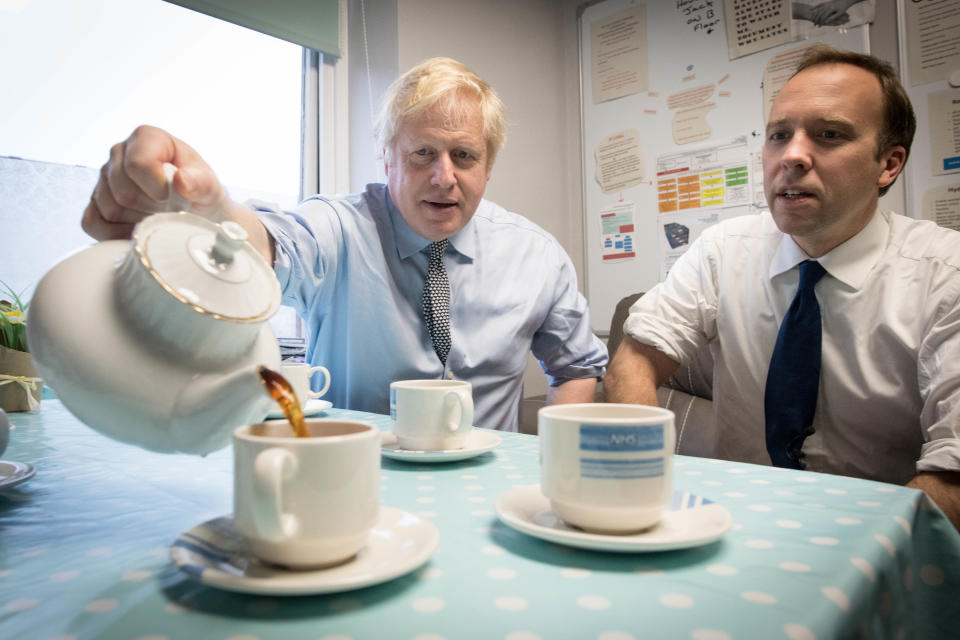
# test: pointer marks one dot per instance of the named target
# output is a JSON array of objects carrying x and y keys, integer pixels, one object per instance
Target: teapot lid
[{"x": 208, "y": 266}]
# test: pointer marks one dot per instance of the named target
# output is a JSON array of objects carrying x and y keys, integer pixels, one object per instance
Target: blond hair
[{"x": 443, "y": 83}]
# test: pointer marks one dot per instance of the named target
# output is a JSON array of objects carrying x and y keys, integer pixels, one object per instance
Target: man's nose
[
  {"x": 797, "y": 152},
  {"x": 443, "y": 172}
]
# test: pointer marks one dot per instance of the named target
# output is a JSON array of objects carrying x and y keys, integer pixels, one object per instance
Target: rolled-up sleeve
[
  {"x": 678, "y": 316},
  {"x": 939, "y": 378},
  {"x": 565, "y": 344},
  {"x": 306, "y": 242}
]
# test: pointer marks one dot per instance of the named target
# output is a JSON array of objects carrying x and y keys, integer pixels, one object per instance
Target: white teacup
[
  {"x": 431, "y": 414},
  {"x": 306, "y": 502},
  {"x": 607, "y": 468},
  {"x": 299, "y": 375}
]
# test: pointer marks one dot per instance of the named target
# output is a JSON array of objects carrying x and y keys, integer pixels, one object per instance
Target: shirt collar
[
  {"x": 410, "y": 242},
  {"x": 851, "y": 262}
]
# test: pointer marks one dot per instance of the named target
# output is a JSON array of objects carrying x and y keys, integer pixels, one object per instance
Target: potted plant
[{"x": 20, "y": 388}]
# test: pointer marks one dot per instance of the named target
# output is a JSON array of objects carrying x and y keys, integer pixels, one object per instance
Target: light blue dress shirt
[{"x": 354, "y": 270}]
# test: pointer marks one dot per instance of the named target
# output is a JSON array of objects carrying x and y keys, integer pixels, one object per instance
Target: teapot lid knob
[{"x": 230, "y": 238}]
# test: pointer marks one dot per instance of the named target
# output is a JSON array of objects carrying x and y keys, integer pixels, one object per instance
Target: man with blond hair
[
  {"x": 834, "y": 326},
  {"x": 416, "y": 278}
]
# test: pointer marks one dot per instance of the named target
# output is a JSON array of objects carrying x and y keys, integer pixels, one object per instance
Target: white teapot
[{"x": 157, "y": 341}]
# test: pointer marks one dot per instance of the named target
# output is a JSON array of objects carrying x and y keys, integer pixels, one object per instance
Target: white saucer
[
  {"x": 689, "y": 522},
  {"x": 312, "y": 408},
  {"x": 216, "y": 554},
  {"x": 479, "y": 441},
  {"x": 13, "y": 473}
]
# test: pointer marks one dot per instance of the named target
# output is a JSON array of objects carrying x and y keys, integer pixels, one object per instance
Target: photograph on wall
[{"x": 813, "y": 18}]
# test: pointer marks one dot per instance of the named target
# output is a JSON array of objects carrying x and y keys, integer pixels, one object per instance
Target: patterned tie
[
  {"x": 436, "y": 301},
  {"x": 793, "y": 380}
]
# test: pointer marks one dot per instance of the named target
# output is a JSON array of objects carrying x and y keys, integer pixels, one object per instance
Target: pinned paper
[
  {"x": 617, "y": 231},
  {"x": 690, "y": 125},
  {"x": 619, "y": 161},
  {"x": 776, "y": 74},
  {"x": 618, "y": 51},
  {"x": 945, "y": 131},
  {"x": 942, "y": 205}
]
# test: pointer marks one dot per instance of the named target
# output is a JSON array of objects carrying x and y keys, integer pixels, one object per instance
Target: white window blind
[{"x": 309, "y": 23}]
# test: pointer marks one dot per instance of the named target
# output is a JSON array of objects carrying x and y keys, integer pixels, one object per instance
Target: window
[{"x": 79, "y": 76}]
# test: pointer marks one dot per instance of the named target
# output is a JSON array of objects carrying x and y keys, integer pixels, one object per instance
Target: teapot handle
[{"x": 175, "y": 202}]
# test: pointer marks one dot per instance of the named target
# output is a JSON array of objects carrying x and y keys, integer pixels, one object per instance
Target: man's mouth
[
  {"x": 441, "y": 205},
  {"x": 795, "y": 194}
]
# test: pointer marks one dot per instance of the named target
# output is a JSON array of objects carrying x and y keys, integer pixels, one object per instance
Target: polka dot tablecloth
[{"x": 84, "y": 553}]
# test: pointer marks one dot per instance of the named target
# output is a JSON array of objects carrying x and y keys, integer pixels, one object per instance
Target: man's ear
[{"x": 893, "y": 161}]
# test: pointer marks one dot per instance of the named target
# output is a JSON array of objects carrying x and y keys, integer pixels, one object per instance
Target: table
[{"x": 84, "y": 554}]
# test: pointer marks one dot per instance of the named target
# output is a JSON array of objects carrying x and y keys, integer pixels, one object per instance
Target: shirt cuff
[{"x": 940, "y": 455}]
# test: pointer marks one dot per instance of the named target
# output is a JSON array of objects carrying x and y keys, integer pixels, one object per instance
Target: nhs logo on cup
[
  {"x": 393, "y": 403},
  {"x": 625, "y": 442}
]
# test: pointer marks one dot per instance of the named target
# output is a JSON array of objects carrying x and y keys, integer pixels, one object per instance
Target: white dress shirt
[{"x": 889, "y": 400}]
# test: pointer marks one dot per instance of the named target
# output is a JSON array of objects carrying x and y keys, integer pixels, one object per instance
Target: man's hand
[
  {"x": 802, "y": 11},
  {"x": 133, "y": 185},
  {"x": 832, "y": 12},
  {"x": 635, "y": 373}
]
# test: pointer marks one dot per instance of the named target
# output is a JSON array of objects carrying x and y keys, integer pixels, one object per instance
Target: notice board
[
  {"x": 930, "y": 70},
  {"x": 672, "y": 129}
]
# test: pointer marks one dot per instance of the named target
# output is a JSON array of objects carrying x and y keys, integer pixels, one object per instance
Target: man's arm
[
  {"x": 943, "y": 487},
  {"x": 572, "y": 391},
  {"x": 635, "y": 373}
]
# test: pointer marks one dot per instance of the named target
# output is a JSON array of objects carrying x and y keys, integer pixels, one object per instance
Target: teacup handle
[
  {"x": 454, "y": 403},
  {"x": 326, "y": 384},
  {"x": 271, "y": 469}
]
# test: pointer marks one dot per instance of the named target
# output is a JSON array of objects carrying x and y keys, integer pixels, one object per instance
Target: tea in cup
[
  {"x": 299, "y": 374},
  {"x": 431, "y": 414},
  {"x": 306, "y": 502},
  {"x": 607, "y": 468}
]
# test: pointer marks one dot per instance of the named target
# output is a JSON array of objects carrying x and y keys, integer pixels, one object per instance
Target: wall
[
  {"x": 372, "y": 42},
  {"x": 681, "y": 58},
  {"x": 529, "y": 52}
]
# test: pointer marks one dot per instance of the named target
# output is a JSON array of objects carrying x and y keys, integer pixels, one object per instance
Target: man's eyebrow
[{"x": 833, "y": 122}]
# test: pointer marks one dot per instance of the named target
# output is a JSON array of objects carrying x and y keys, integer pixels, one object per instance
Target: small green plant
[{"x": 13, "y": 319}]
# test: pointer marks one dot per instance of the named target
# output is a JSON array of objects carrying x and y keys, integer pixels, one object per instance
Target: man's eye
[
  {"x": 829, "y": 133},
  {"x": 777, "y": 135},
  {"x": 421, "y": 152}
]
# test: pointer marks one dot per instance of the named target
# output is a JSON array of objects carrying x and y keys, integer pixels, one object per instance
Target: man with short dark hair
[{"x": 834, "y": 327}]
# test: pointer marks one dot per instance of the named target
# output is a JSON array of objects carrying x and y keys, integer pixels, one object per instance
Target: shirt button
[{"x": 449, "y": 375}]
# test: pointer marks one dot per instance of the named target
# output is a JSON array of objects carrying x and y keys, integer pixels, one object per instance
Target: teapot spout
[{"x": 210, "y": 407}]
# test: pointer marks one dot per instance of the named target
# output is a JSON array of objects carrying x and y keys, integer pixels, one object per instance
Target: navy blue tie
[{"x": 793, "y": 381}]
